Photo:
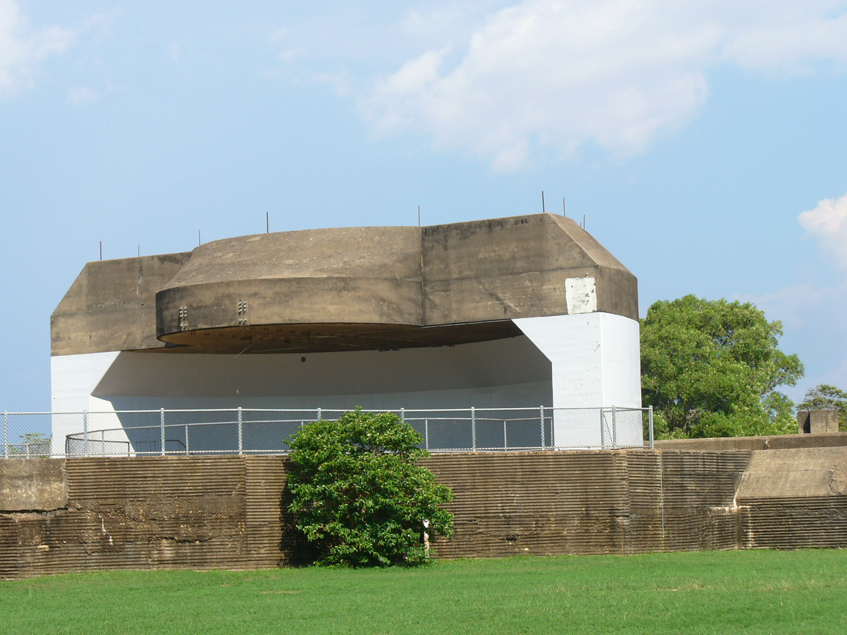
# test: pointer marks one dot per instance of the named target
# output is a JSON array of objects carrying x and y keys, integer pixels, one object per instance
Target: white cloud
[
  {"x": 814, "y": 327},
  {"x": 559, "y": 74},
  {"x": 21, "y": 48},
  {"x": 796, "y": 303},
  {"x": 828, "y": 224},
  {"x": 83, "y": 95}
]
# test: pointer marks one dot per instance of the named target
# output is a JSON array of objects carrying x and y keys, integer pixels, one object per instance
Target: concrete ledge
[{"x": 776, "y": 442}]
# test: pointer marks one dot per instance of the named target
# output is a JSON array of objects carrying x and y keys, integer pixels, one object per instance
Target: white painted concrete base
[
  {"x": 596, "y": 363},
  {"x": 579, "y": 361},
  {"x": 498, "y": 374}
]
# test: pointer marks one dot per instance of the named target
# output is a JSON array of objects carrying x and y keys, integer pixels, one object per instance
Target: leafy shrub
[{"x": 359, "y": 495}]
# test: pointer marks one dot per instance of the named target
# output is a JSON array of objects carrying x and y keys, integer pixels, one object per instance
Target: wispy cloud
[
  {"x": 828, "y": 224},
  {"x": 22, "y": 48},
  {"x": 83, "y": 95},
  {"x": 559, "y": 74}
]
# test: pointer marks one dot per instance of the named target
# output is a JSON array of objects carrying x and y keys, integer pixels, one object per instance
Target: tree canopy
[
  {"x": 826, "y": 397},
  {"x": 711, "y": 368},
  {"x": 359, "y": 495}
]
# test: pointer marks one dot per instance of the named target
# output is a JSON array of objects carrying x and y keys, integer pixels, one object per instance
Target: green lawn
[{"x": 707, "y": 592}]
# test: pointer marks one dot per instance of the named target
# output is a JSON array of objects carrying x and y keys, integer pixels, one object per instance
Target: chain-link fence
[{"x": 254, "y": 431}]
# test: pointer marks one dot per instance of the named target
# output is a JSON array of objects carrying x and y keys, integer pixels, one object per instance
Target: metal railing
[{"x": 266, "y": 431}]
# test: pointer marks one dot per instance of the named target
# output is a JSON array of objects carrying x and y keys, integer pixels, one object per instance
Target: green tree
[
  {"x": 826, "y": 397},
  {"x": 711, "y": 369},
  {"x": 359, "y": 495},
  {"x": 33, "y": 444}
]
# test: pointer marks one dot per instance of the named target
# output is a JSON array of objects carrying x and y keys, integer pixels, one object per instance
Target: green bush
[{"x": 358, "y": 494}]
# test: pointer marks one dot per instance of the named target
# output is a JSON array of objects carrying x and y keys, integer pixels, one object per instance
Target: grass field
[{"x": 706, "y": 592}]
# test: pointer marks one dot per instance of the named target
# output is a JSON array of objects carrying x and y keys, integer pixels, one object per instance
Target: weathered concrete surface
[
  {"x": 111, "y": 306},
  {"x": 229, "y": 511},
  {"x": 794, "y": 499},
  {"x": 341, "y": 289},
  {"x": 551, "y": 503},
  {"x": 817, "y": 421},
  {"x": 517, "y": 267},
  {"x": 799, "y": 473},
  {"x": 152, "y": 513},
  {"x": 777, "y": 442},
  {"x": 32, "y": 485}
]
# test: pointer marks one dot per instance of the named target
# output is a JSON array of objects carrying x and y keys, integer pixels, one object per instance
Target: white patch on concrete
[
  {"x": 581, "y": 295},
  {"x": 596, "y": 364}
]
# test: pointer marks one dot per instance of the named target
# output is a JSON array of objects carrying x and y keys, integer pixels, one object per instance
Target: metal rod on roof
[
  {"x": 543, "y": 210},
  {"x": 267, "y": 222},
  {"x": 198, "y": 238},
  {"x": 564, "y": 209},
  {"x": 101, "y": 250},
  {"x": 419, "y": 215}
]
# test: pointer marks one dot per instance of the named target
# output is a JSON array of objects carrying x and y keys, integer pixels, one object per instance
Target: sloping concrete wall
[
  {"x": 795, "y": 499},
  {"x": 229, "y": 511},
  {"x": 171, "y": 512}
]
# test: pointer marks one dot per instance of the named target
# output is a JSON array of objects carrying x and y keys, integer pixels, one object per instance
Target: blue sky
[{"x": 704, "y": 144}]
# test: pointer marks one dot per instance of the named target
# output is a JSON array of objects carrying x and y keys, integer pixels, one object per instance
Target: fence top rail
[{"x": 331, "y": 410}]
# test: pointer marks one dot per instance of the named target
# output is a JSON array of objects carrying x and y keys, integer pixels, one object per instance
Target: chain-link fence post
[
  {"x": 5, "y": 435},
  {"x": 186, "y": 439},
  {"x": 402, "y": 414},
  {"x": 602, "y": 434},
  {"x": 553, "y": 428},
  {"x": 162, "y": 429},
  {"x": 85, "y": 448},
  {"x": 650, "y": 424},
  {"x": 240, "y": 433},
  {"x": 319, "y": 414},
  {"x": 473, "y": 428},
  {"x": 541, "y": 419},
  {"x": 614, "y": 428},
  {"x": 426, "y": 433}
]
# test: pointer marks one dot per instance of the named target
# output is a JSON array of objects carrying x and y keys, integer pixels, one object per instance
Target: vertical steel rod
[
  {"x": 162, "y": 430},
  {"x": 85, "y": 433},
  {"x": 553, "y": 427},
  {"x": 541, "y": 418},
  {"x": 5, "y": 435},
  {"x": 186, "y": 439},
  {"x": 505, "y": 437},
  {"x": 650, "y": 423},
  {"x": 426, "y": 433},
  {"x": 614, "y": 429},
  {"x": 602, "y": 434},
  {"x": 473, "y": 427},
  {"x": 240, "y": 433}
]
